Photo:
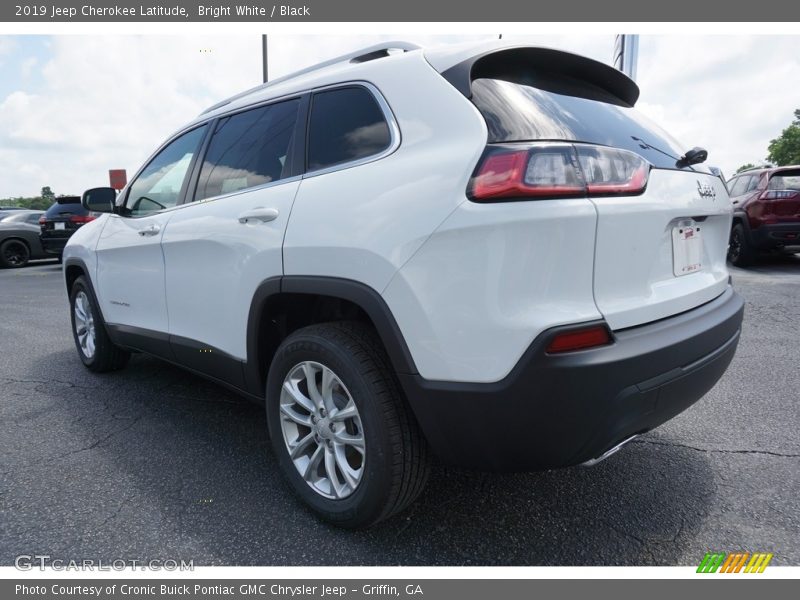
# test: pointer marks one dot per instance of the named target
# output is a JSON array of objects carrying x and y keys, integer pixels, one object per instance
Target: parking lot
[{"x": 155, "y": 463}]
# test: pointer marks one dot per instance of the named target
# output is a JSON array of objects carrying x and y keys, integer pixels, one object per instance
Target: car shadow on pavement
[{"x": 152, "y": 461}]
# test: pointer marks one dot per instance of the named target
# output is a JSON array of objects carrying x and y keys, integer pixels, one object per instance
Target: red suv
[{"x": 766, "y": 205}]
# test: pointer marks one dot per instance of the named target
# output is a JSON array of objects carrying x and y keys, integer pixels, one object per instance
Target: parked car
[
  {"x": 19, "y": 238},
  {"x": 482, "y": 251},
  {"x": 766, "y": 217},
  {"x": 7, "y": 210},
  {"x": 64, "y": 217}
]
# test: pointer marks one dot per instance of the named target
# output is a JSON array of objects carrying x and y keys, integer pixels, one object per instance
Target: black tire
[
  {"x": 740, "y": 252},
  {"x": 106, "y": 356},
  {"x": 14, "y": 254},
  {"x": 396, "y": 465}
]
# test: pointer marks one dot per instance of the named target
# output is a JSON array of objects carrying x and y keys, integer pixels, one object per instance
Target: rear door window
[
  {"x": 249, "y": 149},
  {"x": 347, "y": 124}
]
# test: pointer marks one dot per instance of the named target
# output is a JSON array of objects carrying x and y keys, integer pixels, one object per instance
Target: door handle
[
  {"x": 152, "y": 230},
  {"x": 259, "y": 214}
]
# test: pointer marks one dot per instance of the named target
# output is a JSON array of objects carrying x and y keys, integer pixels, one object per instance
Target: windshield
[{"x": 517, "y": 112}]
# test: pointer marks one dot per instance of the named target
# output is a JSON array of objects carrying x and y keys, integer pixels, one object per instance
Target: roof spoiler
[{"x": 550, "y": 69}]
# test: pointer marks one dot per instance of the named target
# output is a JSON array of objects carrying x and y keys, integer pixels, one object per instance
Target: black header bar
[{"x": 400, "y": 11}]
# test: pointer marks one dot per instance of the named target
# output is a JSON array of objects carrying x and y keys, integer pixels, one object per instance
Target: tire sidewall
[
  {"x": 19, "y": 243},
  {"x": 370, "y": 496}
]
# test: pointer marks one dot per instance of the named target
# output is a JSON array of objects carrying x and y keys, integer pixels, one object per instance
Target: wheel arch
[{"x": 283, "y": 304}]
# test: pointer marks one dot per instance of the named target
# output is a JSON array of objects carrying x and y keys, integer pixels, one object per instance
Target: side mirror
[{"x": 99, "y": 199}]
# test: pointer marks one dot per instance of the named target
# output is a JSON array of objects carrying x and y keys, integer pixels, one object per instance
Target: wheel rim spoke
[
  {"x": 301, "y": 446},
  {"x": 355, "y": 441},
  {"x": 322, "y": 430},
  {"x": 312, "y": 465},
  {"x": 290, "y": 413},
  {"x": 351, "y": 475},
  {"x": 336, "y": 486},
  {"x": 298, "y": 396},
  {"x": 84, "y": 325}
]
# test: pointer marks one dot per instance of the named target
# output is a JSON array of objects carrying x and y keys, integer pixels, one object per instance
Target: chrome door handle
[
  {"x": 152, "y": 230},
  {"x": 259, "y": 214}
]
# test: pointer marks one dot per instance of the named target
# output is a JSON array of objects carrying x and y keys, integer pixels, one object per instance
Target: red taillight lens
[
  {"x": 81, "y": 219},
  {"x": 556, "y": 171},
  {"x": 42, "y": 220},
  {"x": 779, "y": 194},
  {"x": 579, "y": 339}
]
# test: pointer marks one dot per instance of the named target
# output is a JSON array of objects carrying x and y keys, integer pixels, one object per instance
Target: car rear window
[
  {"x": 518, "y": 111},
  {"x": 67, "y": 205},
  {"x": 785, "y": 180}
]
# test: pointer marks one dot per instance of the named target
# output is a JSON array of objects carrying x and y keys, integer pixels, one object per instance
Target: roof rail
[
  {"x": 359, "y": 56},
  {"x": 758, "y": 168}
]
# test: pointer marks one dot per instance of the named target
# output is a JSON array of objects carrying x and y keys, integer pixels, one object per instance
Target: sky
[{"x": 74, "y": 106}]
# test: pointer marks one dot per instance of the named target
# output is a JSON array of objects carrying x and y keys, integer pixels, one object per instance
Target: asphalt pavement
[{"x": 155, "y": 463}]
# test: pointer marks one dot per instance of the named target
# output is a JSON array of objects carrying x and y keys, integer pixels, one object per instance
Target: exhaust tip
[{"x": 613, "y": 450}]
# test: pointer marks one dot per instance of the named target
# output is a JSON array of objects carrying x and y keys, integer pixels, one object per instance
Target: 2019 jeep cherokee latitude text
[{"x": 480, "y": 251}]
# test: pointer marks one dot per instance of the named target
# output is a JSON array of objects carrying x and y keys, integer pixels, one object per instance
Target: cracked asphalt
[{"x": 155, "y": 463}]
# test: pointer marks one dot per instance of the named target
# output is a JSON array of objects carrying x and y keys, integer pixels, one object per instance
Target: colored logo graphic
[{"x": 735, "y": 562}]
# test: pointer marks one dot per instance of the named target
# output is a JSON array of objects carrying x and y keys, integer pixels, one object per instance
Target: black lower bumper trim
[{"x": 562, "y": 410}]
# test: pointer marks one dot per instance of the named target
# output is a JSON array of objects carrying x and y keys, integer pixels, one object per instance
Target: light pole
[
  {"x": 264, "y": 62},
  {"x": 626, "y": 54}
]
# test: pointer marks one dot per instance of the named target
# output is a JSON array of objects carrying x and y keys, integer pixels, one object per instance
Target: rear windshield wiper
[{"x": 693, "y": 157}]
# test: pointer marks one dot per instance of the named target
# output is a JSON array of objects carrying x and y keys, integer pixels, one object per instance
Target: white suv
[{"x": 481, "y": 251}]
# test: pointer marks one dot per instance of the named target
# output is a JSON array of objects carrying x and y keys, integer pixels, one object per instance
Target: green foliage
[
  {"x": 745, "y": 168},
  {"x": 41, "y": 202},
  {"x": 785, "y": 149},
  {"x": 47, "y": 194}
]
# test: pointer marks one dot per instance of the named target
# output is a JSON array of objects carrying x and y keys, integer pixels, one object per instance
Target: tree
[
  {"x": 785, "y": 149},
  {"x": 48, "y": 195},
  {"x": 745, "y": 168}
]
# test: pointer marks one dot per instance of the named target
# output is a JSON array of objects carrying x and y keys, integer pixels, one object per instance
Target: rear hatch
[
  {"x": 64, "y": 217},
  {"x": 780, "y": 203},
  {"x": 662, "y": 227}
]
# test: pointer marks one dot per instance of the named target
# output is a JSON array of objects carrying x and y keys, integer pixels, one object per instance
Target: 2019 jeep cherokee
[{"x": 482, "y": 251}]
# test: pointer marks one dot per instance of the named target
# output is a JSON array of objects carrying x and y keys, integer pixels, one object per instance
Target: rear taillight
[
  {"x": 42, "y": 220},
  {"x": 518, "y": 171},
  {"x": 778, "y": 194},
  {"x": 579, "y": 339},
  {"x": 81, "y": 219}
]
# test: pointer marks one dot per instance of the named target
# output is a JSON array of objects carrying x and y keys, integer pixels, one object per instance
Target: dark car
[
  {"x": 766, "y": 213},
  {"x": 19, "y": 238},
  {"x": 60, "y": 221}
]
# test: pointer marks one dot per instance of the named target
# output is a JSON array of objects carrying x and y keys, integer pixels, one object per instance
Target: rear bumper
[
  {"x": 562, "y": 410},
  {"x": 53, "y": 245},
  {"x": 775, "y": 235}
]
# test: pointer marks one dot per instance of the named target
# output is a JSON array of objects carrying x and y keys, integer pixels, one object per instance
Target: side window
[
  {"x": 346, "y": 124},
  {"x": 740, "y": 185},
  {"x": 249, "y": 149},
  {"x": 159, "y": 185}
]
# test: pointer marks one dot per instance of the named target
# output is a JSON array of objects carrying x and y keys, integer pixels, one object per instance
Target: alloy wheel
[
  {"x": 322, "y": 430},
  {"x": 84, "y": 324}
]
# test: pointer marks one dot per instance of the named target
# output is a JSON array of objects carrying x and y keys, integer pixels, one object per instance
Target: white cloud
[
  {"x": 728, "y": 94},
  {"x": 107, "y": 102}
]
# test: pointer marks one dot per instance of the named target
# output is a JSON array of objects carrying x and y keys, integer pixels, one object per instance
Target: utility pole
[
  {"x": 626, "y": 54},
  {"x": 264, "y": 62}
]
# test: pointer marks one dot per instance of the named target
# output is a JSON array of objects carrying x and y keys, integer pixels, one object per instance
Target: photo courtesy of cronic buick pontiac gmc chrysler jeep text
[{"x": 482, "y": 252}]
